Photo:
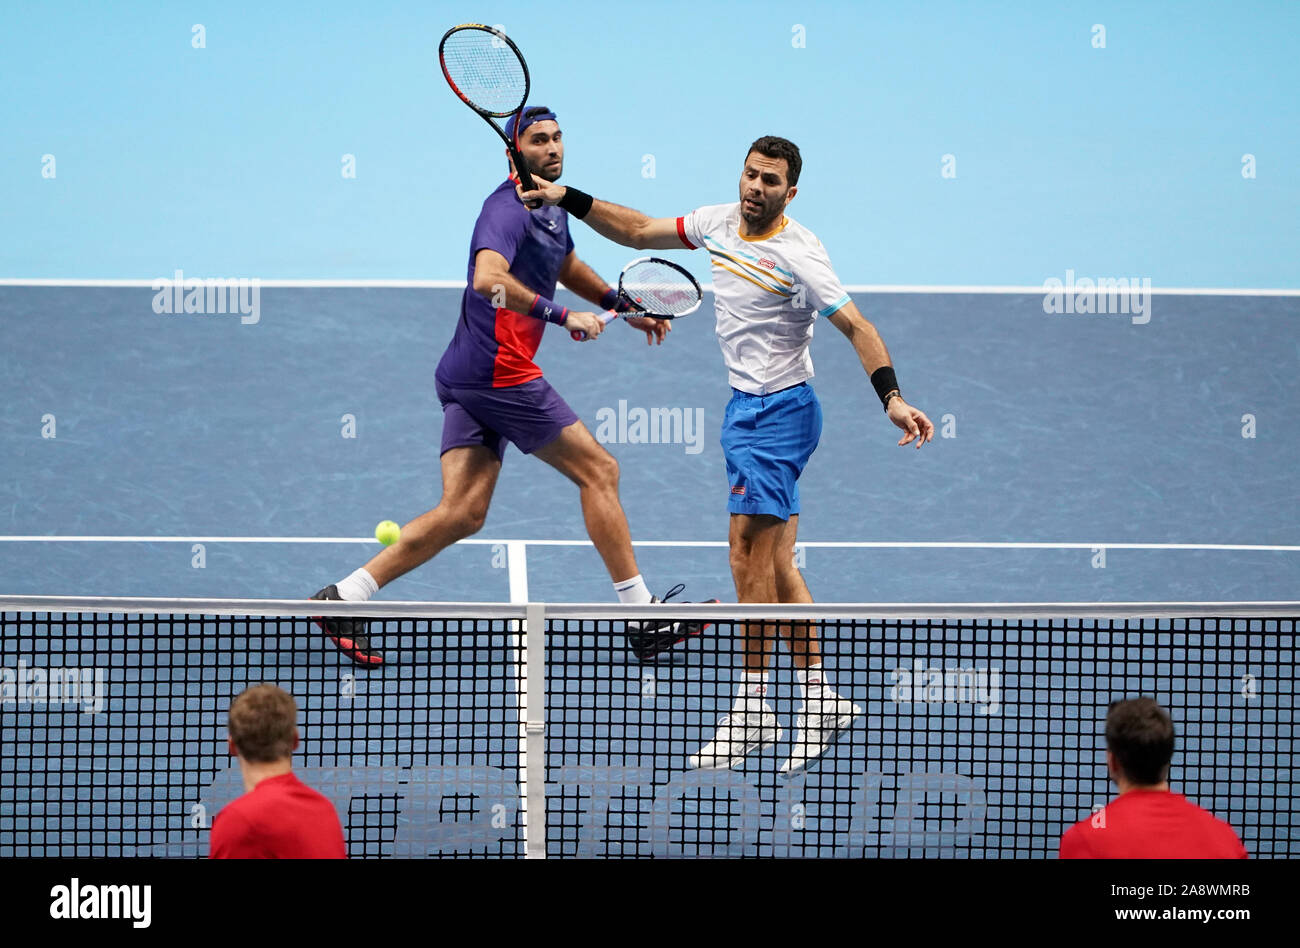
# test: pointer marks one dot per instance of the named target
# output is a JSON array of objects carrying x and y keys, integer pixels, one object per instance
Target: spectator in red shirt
[
  {"x": 278, "y": 817},
  {"x": 1147, "y": 820}
]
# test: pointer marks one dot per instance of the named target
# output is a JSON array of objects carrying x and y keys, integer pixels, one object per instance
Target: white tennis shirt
[{"x": 767, "y": 293}]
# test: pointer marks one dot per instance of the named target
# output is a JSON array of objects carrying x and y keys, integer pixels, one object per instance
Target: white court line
[
  {"x": 810, "y": 544},
  {"x": 708, "y": 287}
]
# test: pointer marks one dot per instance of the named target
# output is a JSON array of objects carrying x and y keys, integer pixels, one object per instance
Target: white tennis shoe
[
  {"x": 815, "y": 732},
  {"x": 739, "y": 734}
]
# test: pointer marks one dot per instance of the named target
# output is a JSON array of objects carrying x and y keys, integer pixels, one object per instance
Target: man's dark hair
[
  {"x": 262, "y": 723},
  {"x": 1140, "y": 734},
  {"x": 772, "y": 146}
]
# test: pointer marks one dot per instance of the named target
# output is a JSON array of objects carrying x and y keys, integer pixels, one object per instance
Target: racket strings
[
  {"x": 486, "y": 70},
  {"x": 657, "y": 288}
]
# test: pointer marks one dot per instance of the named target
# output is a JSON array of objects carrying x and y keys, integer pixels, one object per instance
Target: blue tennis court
[{"x": 1082, "y": 433}]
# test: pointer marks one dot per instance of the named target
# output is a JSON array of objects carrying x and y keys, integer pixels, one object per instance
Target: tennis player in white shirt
[{"x": 772, "y": 280}]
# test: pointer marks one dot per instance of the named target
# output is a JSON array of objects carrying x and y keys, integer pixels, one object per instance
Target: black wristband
[
  {"x": 576, "y": 202},
  {"x": 885, "y": 383}
]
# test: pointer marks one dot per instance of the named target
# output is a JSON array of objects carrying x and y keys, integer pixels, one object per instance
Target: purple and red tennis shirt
[{"x": 493, "y": 347}]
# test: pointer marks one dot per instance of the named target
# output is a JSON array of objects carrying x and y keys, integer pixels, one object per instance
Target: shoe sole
[
  {"x": 650, "y": 654},
  {"x": 842, "y": 729},
  {"x": 736, "y": 761},
  {"x": 347, "y": 647}
]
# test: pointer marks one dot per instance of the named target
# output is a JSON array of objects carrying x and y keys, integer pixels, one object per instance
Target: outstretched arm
[
  {"x": 875, "y": 357},
  {"x": 623, "y": 225}
]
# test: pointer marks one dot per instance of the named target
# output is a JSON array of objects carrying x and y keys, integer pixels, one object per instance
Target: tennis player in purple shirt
[{"x": 492, "y": 392}]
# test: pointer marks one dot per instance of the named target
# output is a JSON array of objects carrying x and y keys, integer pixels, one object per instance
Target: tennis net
[{"x": 517, "y": 730}]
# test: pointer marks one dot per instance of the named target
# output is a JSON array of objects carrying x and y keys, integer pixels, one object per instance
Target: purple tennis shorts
[{"x": 530, "y": 416}]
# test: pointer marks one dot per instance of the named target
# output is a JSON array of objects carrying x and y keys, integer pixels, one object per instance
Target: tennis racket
[
  {"x": 654, "y": 287},
  {"x": 488, "y": 72}
]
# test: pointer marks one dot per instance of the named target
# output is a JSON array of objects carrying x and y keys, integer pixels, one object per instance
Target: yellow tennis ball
[{"x": 388, "y": 532}]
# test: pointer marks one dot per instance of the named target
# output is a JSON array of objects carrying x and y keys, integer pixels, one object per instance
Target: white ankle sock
[
  {"x": 752, "y": 694},
  {"x": 633, "y": 592},
  {"x": 358, "y": 587},
  {"x": 812, "y": 684}
]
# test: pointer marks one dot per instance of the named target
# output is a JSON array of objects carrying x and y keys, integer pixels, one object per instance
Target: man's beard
[
  {"x": 758, "y": 219},
  {"x": 543, "y": 173}
]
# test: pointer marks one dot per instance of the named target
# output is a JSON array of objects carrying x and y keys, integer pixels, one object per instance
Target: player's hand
[
  {"x": 654, "y": 329},
  {"x": 590, "y": 323},
  {"x": 913, "y": 422},
  {"x": 544, "y": 192}
]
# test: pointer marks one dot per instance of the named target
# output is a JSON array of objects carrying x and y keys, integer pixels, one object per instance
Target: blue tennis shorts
[{"x": 767, "y": 440}]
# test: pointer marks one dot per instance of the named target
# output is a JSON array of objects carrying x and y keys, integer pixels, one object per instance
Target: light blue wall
[{"x": 225, "y": 161}]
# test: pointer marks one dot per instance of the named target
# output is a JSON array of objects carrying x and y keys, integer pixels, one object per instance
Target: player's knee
[
  {"x": 603, "y": 471},
  {"x": 786, "y": 572},
  {"x": 473, "y": 519},
  {"x": 464, "y": 519},
  {"x": 742, "y": 555},
  {"x": 611, "y": 471}
]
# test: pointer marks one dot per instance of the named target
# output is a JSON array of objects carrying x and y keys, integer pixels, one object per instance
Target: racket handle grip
[
  {"x": 606, "y": 317},
  {"x": 525, "y": 179}
]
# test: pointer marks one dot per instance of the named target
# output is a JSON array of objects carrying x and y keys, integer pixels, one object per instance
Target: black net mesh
[
  {"x": 976, "y": 738},
  {"x": 967, "y": 737},
  {"x": 420, "y": 759}
]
